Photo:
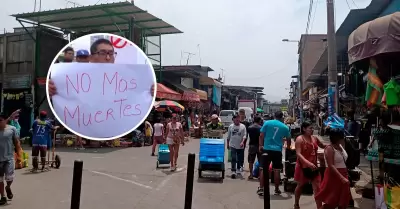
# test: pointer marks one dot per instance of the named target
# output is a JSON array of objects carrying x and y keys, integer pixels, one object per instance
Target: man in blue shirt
[
  {"x": 272, "y": 136},
  {"x": 41, "y": 136}
]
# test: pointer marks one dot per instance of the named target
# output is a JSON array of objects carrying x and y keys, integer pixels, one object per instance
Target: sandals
[{"x": 296, "y": 206}]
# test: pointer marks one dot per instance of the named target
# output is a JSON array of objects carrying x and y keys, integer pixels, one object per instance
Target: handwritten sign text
[{"x": 102, "y": 100}]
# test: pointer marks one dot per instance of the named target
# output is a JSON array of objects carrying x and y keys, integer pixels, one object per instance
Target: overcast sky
[{"x": 242, "y": 37}]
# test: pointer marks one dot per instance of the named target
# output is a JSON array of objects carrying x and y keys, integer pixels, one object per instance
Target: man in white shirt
[{"x": 236, "y": 140}]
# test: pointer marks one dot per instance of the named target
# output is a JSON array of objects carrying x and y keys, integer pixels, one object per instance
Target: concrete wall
[{"x": 312, "y": 48}]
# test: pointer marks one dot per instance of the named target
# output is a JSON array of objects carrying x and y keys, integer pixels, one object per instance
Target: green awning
[{"x": 259, "y": 110}]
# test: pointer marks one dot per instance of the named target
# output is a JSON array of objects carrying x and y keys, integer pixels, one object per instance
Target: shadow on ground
[{"x": 101, "y": 150}]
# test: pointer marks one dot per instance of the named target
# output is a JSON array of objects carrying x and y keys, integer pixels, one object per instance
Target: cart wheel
[
  {"x": 35, "y": 163},
  {"x": 57, "y": 161},
  {"x": 158, "y": 164},
  {"x": 200, "y": 176}
]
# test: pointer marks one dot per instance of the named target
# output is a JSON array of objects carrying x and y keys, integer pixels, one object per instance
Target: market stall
[{"x": 373, "y": 50}]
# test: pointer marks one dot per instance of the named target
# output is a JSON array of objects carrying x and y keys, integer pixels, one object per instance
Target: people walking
[
  {"x": 335, "y": 187},
  {"x": 9, "y": 141},
  {"x": 174, "y": 139},
  {"x": 158, "y": 136},
  {"x": 272, "y": 136},
  {"x": 306, "y": 170},
  {"x": 79, "y": 143},
  {"x": 215, "y": 124},
  {"x": 148, "y": 131},
  {"x": 235, "y": 142},
  {"x": 254, "y": 135},
  {"x": 245, "y": 121},
  {"x": 41, "y": 138}
]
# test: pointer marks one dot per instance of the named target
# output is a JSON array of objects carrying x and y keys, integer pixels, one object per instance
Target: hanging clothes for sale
[
  {"x": 392, "y": 93},
  {"x": 374, "y": 93}
]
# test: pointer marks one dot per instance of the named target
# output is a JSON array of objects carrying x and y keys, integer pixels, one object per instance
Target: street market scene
[{"x": 250, "y": 110}]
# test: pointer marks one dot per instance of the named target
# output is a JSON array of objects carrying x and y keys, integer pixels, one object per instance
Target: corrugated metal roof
[{"x": 103, "y": 17}]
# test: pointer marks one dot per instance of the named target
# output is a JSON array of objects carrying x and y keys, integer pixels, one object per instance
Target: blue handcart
[
  {"x": 163, "y": 155},
  {"x": 212, "y": 154}
]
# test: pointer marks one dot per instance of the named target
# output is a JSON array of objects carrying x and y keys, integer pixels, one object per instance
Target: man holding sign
[
  {"x": 111, "y": 82},
  {"x": 102, "y": 51}
]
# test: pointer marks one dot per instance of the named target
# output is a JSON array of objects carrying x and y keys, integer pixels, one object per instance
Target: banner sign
[{"x": 332, "y": 99}]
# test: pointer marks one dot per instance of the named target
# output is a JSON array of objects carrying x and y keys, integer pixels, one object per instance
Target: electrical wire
[
  {"x": 303, "y": 46},
  {"x": 355, "y": 4},
  {"x": 348, "y": 5},
  {"x": 313, "y": 18}
]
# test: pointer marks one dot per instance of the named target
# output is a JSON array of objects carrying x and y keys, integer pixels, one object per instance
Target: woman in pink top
[{"x": 174, "y": 139}]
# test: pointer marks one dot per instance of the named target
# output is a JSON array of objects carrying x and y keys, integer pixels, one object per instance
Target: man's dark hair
[
  {"x": 235, "y": 116},
  {"x": 279, "y": 115},
  {"x": 93, "y": 48},
  {"x": 257, "y": 119},
  {"x": 68, "y": 49}
]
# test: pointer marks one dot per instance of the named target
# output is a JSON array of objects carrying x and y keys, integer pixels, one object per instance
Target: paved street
[{"x": 128, "y": 178}]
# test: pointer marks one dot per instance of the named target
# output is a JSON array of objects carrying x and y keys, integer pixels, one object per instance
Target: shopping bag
[
  {"x": 229, "y": 156},
  {"x": 256, "y": 169},
  {"x": 116, "y": 143},
  {"x": 18, "y": 159},
  {"x": 379, "y": 197},
  {"x": 25, "y": 160},
  {"x": 392, "y": 196}
]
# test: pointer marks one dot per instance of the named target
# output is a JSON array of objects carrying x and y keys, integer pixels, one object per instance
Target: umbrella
[
  {"x": 375, "y": 37},
  {"x": 259, "y": 110},
  {"x": 162, "y": 105}
]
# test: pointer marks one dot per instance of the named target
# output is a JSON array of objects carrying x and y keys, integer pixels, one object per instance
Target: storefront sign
[
  {"x": 331, "y": 99},
  {"x": 102, "y": 101},
  {"x": 17, "y": 81}
]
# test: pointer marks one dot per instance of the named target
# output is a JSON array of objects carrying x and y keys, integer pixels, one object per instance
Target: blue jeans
[{"x": 237, "y": 159}]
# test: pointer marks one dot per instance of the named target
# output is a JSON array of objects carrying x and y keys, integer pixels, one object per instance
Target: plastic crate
[{"x": 212, "y": 150}]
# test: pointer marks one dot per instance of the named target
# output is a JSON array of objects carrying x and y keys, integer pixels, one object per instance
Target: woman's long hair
[
  {"x": 335, "y": 135},
  {"x": 304, "y": 125}
]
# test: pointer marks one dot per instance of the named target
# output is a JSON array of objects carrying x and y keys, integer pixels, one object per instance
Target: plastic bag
[
  {"x": 379, "y": 197},
  {"x": 25, "y": 160},
  {"x": 392, "y": 196},
  {"x": 256, "y": 169}
]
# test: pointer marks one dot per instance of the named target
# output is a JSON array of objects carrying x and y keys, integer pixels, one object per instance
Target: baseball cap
[
  {"x": 43, "y": 113},
  {"x": 82, "y": 53},
  {"x": 214, "y": 116}
]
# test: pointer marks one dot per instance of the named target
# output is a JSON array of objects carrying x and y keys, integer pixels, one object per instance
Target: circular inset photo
[{"x": 102, "y": 88}]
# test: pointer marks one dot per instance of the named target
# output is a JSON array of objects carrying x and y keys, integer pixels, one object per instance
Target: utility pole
[
  {"x": 198, "y": 47},
  {"x": 332, "y": 56}
]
